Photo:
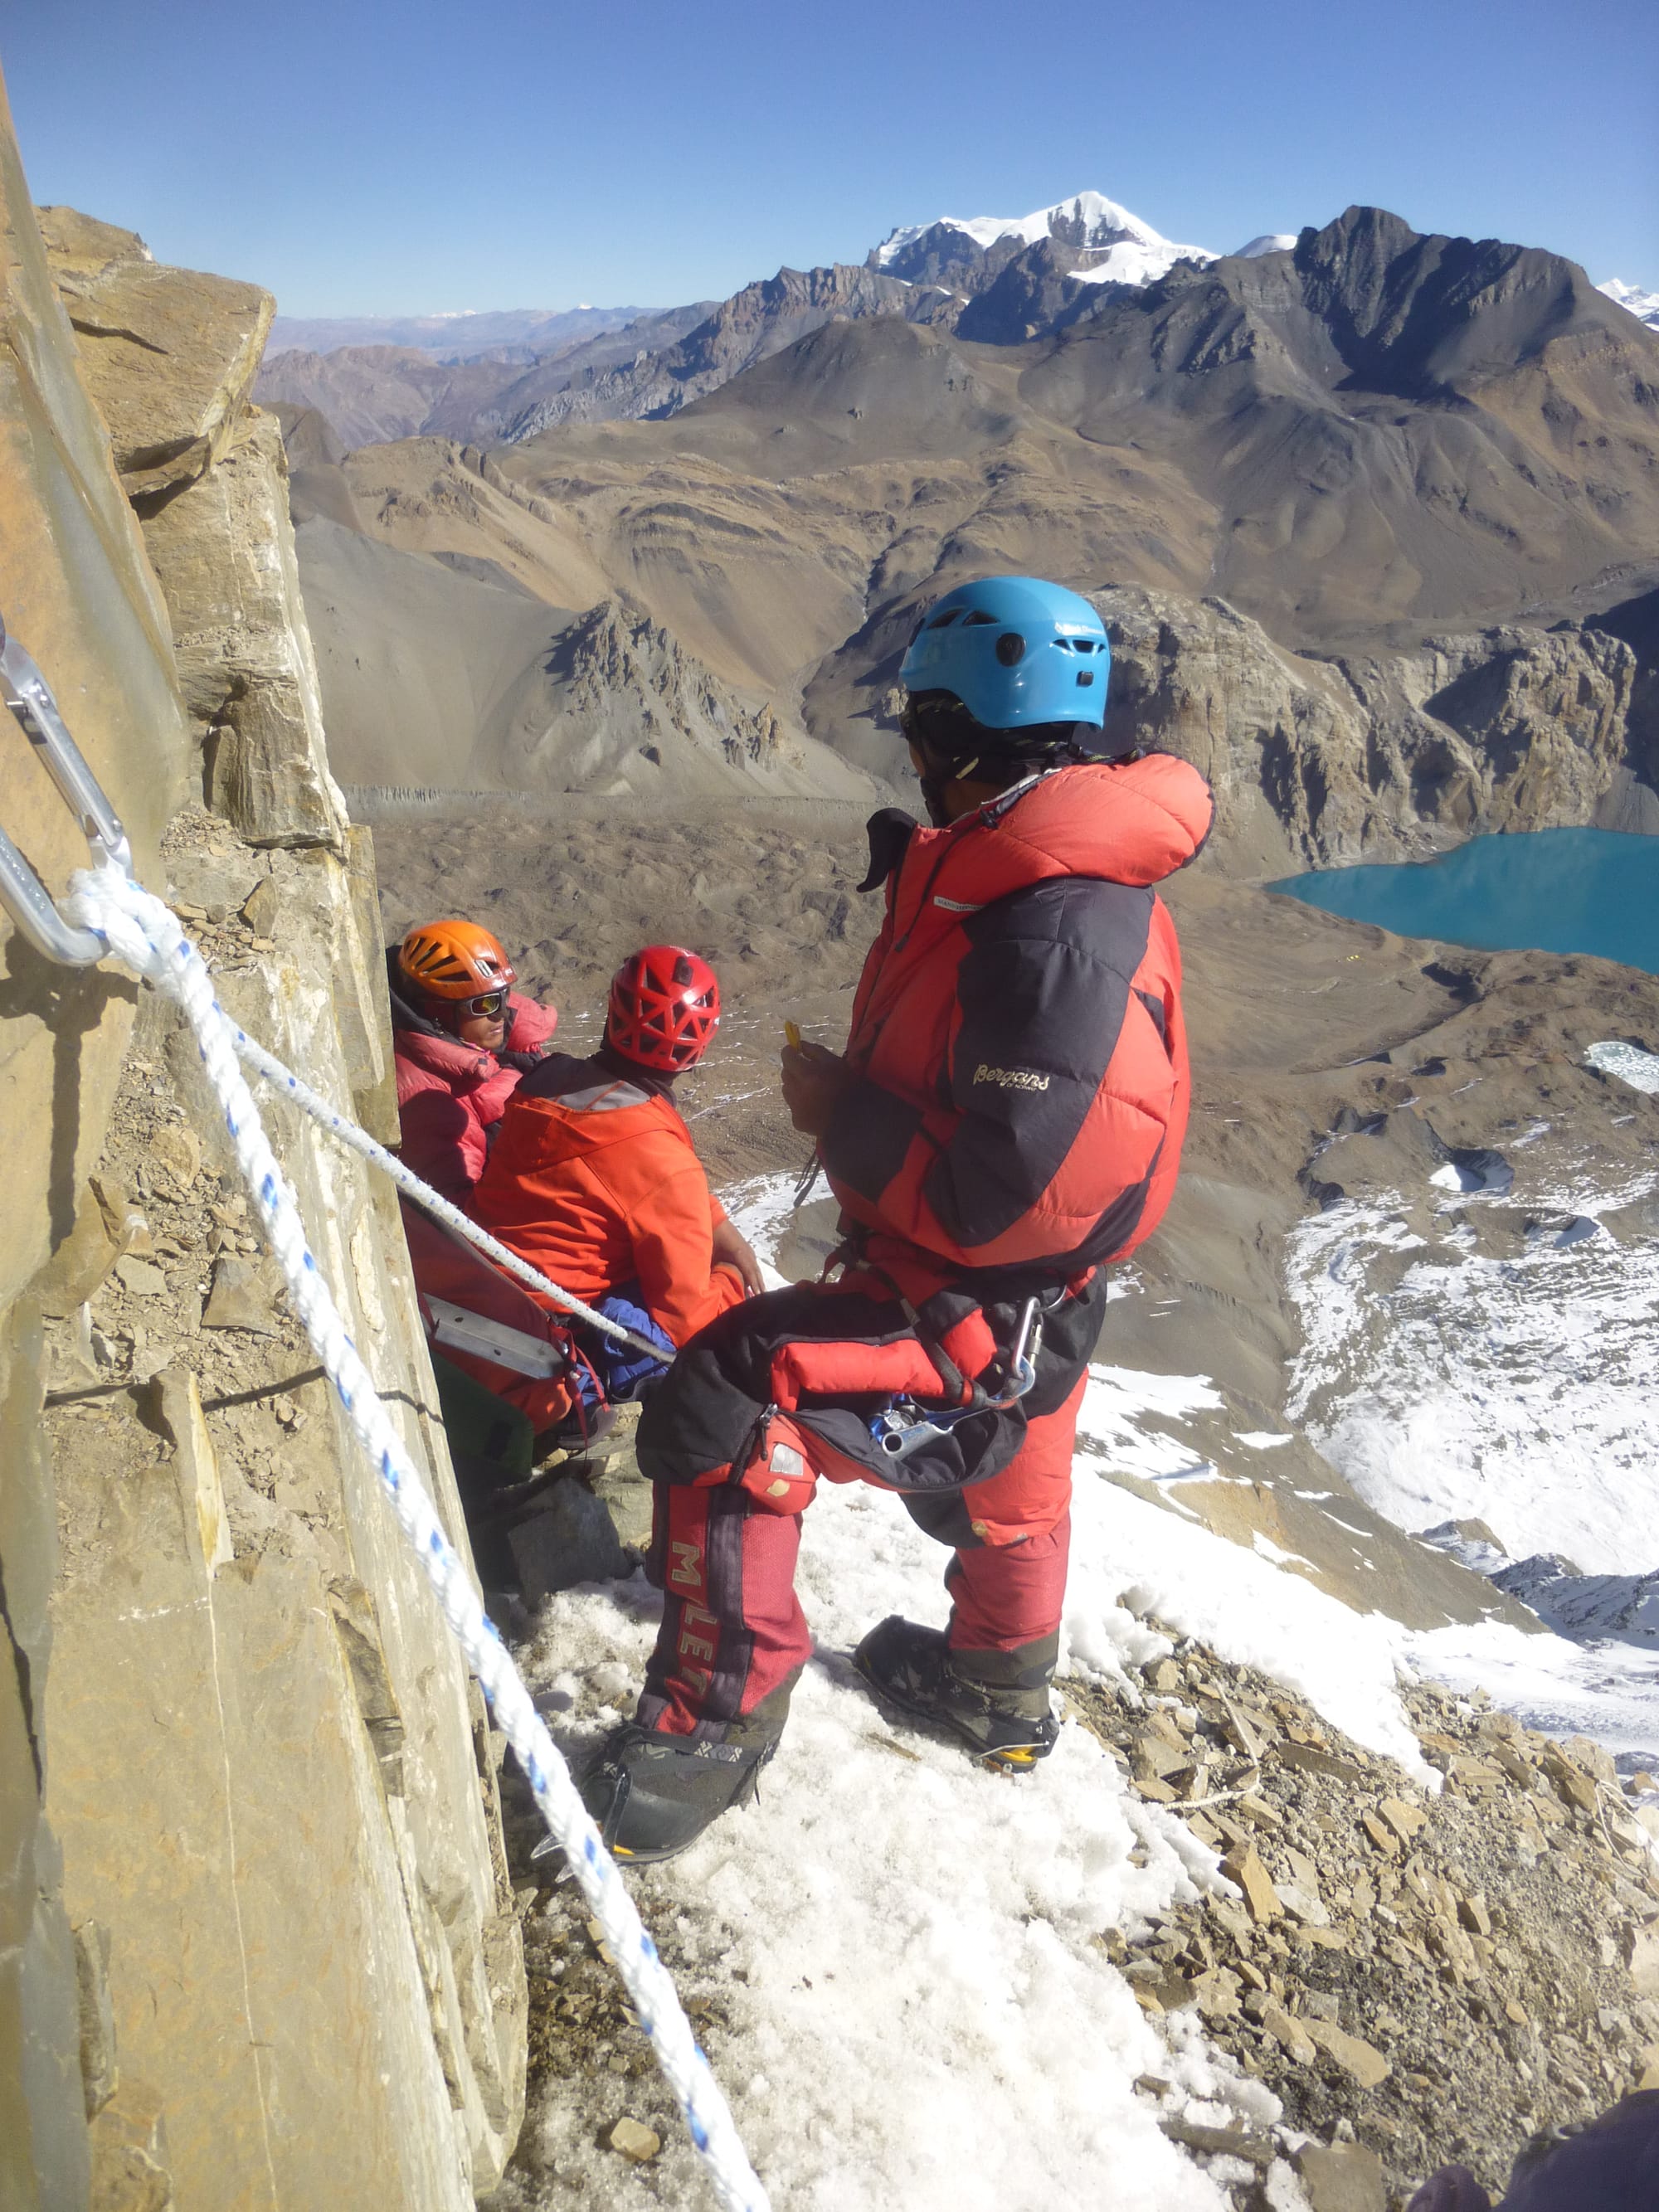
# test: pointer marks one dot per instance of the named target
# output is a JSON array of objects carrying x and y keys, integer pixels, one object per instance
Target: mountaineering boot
[
  {"x": 995, "y": 1702},
  {"x": 651, "y": 1795}
]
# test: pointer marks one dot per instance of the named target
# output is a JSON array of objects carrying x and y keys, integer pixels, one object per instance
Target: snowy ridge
[
  {"x": 1140, "y": 253},
  {"x": 1271, "y": 241},
  {"x": 1644, "y": 306}
]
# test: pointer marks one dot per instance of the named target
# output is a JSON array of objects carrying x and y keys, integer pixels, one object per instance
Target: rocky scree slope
[
  {"x": 286, "y": 1958},
  {"x": 1416, "y": 1978}
]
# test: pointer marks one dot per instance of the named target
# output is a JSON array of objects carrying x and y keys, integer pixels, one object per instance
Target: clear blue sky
[{"x": 378, "y": 158}]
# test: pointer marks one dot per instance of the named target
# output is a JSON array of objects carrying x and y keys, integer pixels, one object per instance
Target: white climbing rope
[
  {"x": 266, "y": 1065},
  {"x": 145, "y": 934}
]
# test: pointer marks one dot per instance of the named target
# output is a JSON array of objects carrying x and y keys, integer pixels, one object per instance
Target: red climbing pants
[{"x": 734, "y": 1468}]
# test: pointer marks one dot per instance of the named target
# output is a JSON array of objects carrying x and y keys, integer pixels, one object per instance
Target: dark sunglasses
[{"x": 487, "y": 1003}]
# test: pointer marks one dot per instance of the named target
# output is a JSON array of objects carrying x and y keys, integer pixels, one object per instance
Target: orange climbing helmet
[
  {"x": 665, "y": 1008},
  {"x": 454, "y": 959}
]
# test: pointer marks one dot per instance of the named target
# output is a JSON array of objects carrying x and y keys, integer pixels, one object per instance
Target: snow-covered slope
[
  {"x": 1644, "y": 306},
  {"x": 1138, "y": 252},
  {"x": 1271, "y": 241},
  {"x": 983, "y": 2055}
]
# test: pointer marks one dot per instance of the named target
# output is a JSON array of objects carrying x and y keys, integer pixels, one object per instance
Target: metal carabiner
[
  {"x": 898, "y": 1431},
  {"x": 25, "y": 694}
]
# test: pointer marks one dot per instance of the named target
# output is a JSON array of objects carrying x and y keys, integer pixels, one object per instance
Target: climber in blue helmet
[
  {"x": 1007, "y": 670},
  {"x": 1004, "y": 1125}
]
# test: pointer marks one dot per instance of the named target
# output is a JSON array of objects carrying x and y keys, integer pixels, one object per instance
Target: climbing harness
[
  {"x": 108, "y": 913},
  {"x": 906, "y": 1425}
]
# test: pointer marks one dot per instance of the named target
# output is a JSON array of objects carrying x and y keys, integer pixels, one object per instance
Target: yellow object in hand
[{"x": 792, "y": 1034}]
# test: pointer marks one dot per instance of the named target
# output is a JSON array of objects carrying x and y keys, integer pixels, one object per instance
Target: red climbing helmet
[
  {"x": 665, "y": 1008},
  {"x": 454, "y": 959}
]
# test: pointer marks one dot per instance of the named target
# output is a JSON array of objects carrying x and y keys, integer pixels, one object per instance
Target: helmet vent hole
[
  {"x": 944, "y": 620},
  {"x": 1086, "y": 677},
  {"x": 970, "y": 621}
]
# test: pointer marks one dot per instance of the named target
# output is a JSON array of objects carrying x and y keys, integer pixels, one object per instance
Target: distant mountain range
[
  {"x": 498, "y": 378},
  {"x": 1369, "y": 439},
  {"x": 467, "y": 337}
]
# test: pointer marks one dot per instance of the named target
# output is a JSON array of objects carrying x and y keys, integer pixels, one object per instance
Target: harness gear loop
[{"x": 27, "y": 696}]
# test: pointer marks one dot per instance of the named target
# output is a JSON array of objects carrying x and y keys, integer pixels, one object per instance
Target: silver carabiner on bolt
[{"x": 27, "y": 696}]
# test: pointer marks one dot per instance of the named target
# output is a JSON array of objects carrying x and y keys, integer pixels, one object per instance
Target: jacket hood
[
  {"x": 1133, "y": 821},
  {"x": 1129, "y": 822}
]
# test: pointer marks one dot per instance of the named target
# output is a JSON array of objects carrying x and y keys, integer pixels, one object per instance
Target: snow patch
[
  {"x": 1522, "y": 1392},
  {"x": 1609, "y": 1692},
  {"x": 1639, "y": 1069},
  {"x": 1271, "y": 241}
]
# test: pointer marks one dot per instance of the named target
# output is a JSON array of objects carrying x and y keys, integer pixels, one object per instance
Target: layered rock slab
[{"x": 330, "y": 1984}]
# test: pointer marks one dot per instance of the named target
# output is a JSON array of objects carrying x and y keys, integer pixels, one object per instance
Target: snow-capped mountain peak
[
  {"x": 1271, "y": 241},
  {"x": 1644, "y": 306},
  {"x": 1135, "y": 253}
]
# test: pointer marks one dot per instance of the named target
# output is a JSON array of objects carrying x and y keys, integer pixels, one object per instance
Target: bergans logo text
[{"x": 1010, "y": 1078}]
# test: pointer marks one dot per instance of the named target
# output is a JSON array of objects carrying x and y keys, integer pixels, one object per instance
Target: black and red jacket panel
[{"x": 1023, "y": 1078}]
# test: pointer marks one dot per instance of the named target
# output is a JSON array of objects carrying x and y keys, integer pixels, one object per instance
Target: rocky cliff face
[
  {"x": 256, "y": 1942},
  {"x": 1325, "y": 761}
]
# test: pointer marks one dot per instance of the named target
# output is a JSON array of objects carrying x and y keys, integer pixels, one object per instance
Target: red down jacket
[
  {"x": 451, "y": 1094},
  {"x": 1022, "y": 1080}
]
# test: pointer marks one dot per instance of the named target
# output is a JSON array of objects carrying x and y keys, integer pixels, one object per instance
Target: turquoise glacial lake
[{"x": 1547, "y": 890}]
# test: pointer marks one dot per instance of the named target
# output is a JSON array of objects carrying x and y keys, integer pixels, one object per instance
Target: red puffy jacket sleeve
[{"x": 442, "y": 1143}]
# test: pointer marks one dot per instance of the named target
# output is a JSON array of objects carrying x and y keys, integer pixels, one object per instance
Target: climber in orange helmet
[{"x": 463, "y": 1039}]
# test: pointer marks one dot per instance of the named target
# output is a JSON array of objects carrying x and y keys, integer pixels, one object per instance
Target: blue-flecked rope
[{"x": 144, "y": 933}]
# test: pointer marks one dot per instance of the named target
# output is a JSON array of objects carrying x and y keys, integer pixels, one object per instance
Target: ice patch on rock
[{"x": 1639, "y": 1069}]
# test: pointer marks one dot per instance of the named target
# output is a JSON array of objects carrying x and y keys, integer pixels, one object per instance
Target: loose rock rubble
[{"x": 1416, "y": 1978}]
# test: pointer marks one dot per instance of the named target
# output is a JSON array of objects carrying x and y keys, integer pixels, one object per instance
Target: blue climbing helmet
[{"x": 1017, "y": 652}]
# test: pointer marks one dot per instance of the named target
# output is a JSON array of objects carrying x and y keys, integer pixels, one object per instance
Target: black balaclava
[{"x": 955, "y": 744}]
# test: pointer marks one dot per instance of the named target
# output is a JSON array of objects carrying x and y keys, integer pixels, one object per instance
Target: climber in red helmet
[
  {"x": 594, "y": 1177},
  {"x": 463, "y": 1037}
]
